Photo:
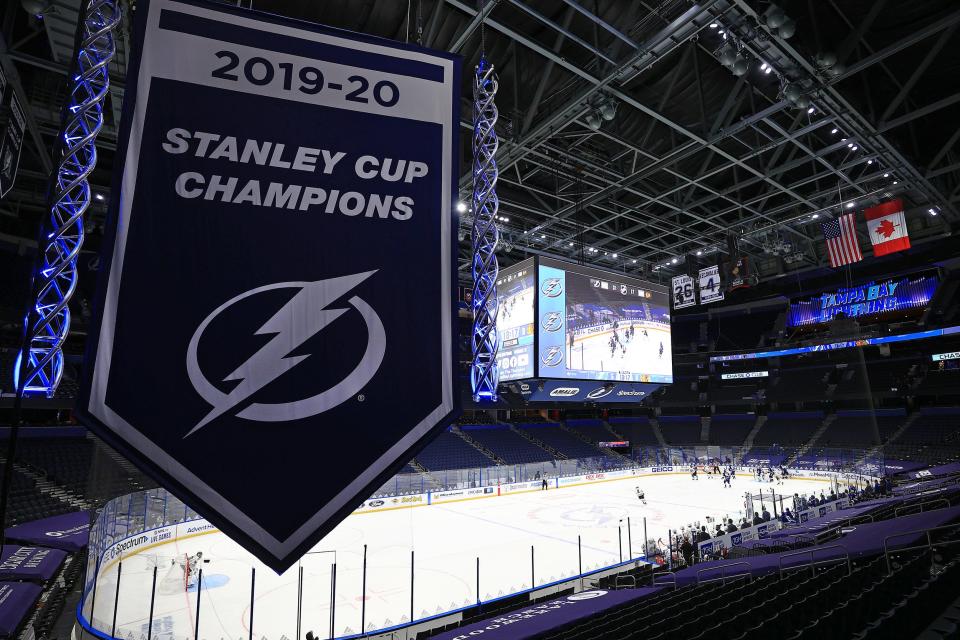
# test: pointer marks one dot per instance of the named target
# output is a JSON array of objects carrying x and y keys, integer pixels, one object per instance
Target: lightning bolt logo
[{"x": 306, "y": 314}]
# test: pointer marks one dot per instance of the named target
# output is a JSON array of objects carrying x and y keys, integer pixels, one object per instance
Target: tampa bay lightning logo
[
  {"x": 552, "y": 356},
  {"x": 600, "y": 392},
  {"x": 551, "y": 287},
  {"x": 552, "y": 321},
  {"x": 306, "y": 314}
]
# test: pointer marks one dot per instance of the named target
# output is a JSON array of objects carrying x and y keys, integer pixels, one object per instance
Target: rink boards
[{"x": 553, "y": 520}]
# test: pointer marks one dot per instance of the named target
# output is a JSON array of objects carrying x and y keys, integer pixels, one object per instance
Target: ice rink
[
  {"x": 446, "y": 539},
  {"x": 641, "y": 353}
]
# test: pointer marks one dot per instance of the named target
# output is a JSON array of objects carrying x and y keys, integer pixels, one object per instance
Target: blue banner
[
  {"x": 865, "y": 300},
  {"x": 278, "y": 286}
]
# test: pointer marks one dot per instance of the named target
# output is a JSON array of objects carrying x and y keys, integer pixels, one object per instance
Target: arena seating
[
  {"x": 636, "y": 429},
  {"x": 789, "y": 429},
  {"x": 879, "y": 375},
  {"x": 940, "y": 382},
  {"x": 865, "y": 600},
  {"x": 680, "y": 429},
  {"x": 508, "y": 445},
  {"x": 450, "y": 451},
  {"x": 855, "y": 428},
  {"x": 933, "y": 437},
  {"x": 800, "y": 383},
  {"x": 74, "y": 463},
  {"x": 28, "y": 502},
  {"x": 568, "y": 444},
  {"x": 592, "y": 429},
  {"x": 731, "y": 429}
]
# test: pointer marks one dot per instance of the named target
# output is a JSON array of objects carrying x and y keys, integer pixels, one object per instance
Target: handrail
[
  {"x": 723, "y": 573},
  {"x": 897, "y": 511},
  {"x": 813, "y": 564},
  {"x": 656, "y": 583},
  {"x": 629, "y": 581},
  {"x": 833, "y": 527},
  {"x": 929, "y": 545}
]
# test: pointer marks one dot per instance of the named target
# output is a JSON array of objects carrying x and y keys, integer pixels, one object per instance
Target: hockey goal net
[{"x": 176, "y": 578}]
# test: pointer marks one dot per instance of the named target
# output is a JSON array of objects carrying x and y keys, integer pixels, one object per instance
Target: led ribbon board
[
  {"x": 843, "y": 344},
  {"x": 865, "y": 300},
  {"x": 280, "y": 268}
]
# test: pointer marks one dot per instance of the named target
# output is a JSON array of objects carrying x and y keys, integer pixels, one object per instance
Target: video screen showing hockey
[
  {"x": 598, "y": 325},
  {"x": 515, "y": 321}
]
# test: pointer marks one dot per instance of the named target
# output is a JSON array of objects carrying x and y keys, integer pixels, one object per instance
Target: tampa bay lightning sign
[{"x": 281, "y": 212}]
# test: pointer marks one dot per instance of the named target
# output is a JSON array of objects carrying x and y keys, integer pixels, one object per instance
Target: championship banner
[
  {"x": 738, "y": 273},
  {"x": 710, "y": 289},
  {"x": 684, "y": 294},
  {"x": 274, "y": 333},
  {"x": 10, "y": 146}
]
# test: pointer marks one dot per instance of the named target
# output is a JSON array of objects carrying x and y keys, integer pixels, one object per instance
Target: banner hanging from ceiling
[
  {"x": 709, "y": 285},
  {"x": 684, "y": 295},
  {"x": 278, "y": 287}
]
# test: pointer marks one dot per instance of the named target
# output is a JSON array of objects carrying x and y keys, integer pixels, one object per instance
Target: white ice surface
[{"x": 447, "y": 540}]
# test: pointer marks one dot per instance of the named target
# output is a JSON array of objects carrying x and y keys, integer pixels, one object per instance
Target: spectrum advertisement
[{"x": 598, "y": 325}]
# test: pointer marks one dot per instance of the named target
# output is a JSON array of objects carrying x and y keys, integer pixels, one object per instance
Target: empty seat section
[
  {"x": 508, "y": 445},
  {"x": 590, "y": 428},
  {"x": 679, "y": 430},
  {"x": 566, "y": 443},
  {"x": 731, "y": 430},
  {"x": 450, "y": 451},
  {"x": 636, "y": 429}
]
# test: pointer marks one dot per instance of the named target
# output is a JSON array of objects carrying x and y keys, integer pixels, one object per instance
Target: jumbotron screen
[
  {"x": 599, "y": 325},
  {"x": 515, "y": 321}
]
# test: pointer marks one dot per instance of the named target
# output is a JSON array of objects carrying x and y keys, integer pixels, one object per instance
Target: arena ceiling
[{"x": 859, "y": 104}]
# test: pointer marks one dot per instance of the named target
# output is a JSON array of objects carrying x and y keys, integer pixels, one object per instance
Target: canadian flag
[{"x": 888, "y": 228}]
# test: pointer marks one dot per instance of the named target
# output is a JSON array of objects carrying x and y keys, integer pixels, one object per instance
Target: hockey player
[
  {"x": 640, "y": 495},
  {"x": 661, "y": 350},
  {"x": 693, "y": 472},
  {"x": 726, "y": 479},
  {"x": 190, "y": 566}
]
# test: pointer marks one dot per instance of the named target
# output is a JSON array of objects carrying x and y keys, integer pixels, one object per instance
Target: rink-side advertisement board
[{"x": 274, "y": 328}]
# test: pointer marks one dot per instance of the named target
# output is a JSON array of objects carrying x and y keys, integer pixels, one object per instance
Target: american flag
[{"x": 841, "y": 238}]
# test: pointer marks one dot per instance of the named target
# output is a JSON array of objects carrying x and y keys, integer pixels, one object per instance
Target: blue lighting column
[
  {"x": 484, "y": 375},
  {"x": 48, "y": 323}
]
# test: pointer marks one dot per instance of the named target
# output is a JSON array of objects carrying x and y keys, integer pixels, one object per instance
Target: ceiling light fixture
[{"x": 461, "y": 207}]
